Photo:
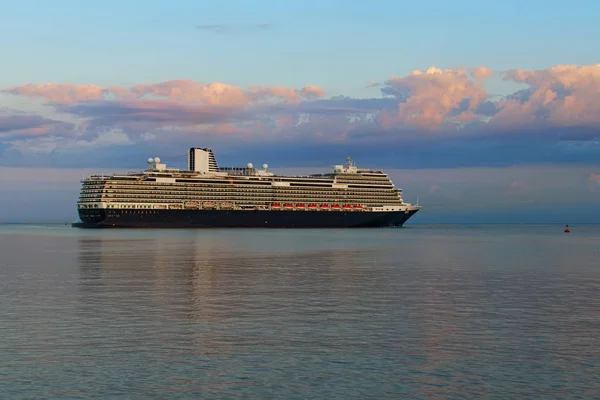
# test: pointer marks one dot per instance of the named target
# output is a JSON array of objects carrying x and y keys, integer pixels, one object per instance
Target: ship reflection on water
[
  {"x": 225, "y": 295},
  {"x": 397, "y": 313}
]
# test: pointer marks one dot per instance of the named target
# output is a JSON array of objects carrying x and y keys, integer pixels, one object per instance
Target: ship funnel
[{"x": 202, "y": 160}]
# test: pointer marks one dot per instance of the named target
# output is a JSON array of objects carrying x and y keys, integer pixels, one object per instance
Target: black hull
[{"x": 100, "y": 218}]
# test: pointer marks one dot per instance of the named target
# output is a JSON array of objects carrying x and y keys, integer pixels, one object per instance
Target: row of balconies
[
  {"x": 237, "y": 194},
  {"x": 227, "y": 183},
  {"x": 251, "y": 202},
  {"x": 230, "y": 190},
  {"x": 232, "y": 187},
  {"x": 363, "y": 179},
  {"x": 257, "y": 198}
]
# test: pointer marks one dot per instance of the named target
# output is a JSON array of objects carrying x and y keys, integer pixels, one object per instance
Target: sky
[{"x": 485, "y": 111}]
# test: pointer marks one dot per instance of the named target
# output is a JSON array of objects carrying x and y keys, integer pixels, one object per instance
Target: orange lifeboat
[
  {"x": 288, "y": 205},
  {"x": 275, "y": 205},
  {"x": 301, "y": 206},
  {"x": 358, "y": 207},
  {"x": 347, "y": 207},
  {"x": 312, "y": 206},
  {"x": 324, "y": 206},
  {"x": 335, "y": 207}
]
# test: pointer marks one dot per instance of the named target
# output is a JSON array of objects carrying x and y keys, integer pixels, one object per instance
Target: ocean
[{"x": 422, "y": 312}]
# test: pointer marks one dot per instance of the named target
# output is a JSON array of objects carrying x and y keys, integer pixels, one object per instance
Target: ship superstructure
[{"x": 207, "y": 195}]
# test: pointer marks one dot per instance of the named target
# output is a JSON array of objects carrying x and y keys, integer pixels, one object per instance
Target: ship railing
[{"x": 238, "y": 171}]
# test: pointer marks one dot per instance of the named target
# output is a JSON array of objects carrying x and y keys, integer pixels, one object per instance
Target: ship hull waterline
[{"x": 100, "y": 218}]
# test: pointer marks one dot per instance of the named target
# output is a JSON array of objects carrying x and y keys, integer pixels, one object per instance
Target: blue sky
[
  {"x": 505, "y": 85},
  {"x": 338, "y": 45}
]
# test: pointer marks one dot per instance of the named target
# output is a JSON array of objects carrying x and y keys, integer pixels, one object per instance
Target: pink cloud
[
  {"x": 311, "y": 92},
  {"x": 435, "y": 97},
  {"x": 481, "y": 73},
  {"x": 228, "y": 129},
  {"x": 446, "y": 101},
  {"x": 283, "y": 93},
  {"x": 182, "y": 90},
  {"x": 215, "y": 93},
  {"x": 33, "y": 132},
  {"x": 64, "y": 93},
  {"x": 566, "y": 94}
]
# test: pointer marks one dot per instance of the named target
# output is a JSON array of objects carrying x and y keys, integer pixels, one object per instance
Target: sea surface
[{"x": 423, "y": 312}]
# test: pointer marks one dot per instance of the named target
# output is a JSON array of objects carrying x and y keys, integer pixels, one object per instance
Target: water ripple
[{"x": 432, "y": 312}]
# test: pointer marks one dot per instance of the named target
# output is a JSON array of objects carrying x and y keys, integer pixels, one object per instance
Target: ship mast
[{"x": 349, "y": 162}]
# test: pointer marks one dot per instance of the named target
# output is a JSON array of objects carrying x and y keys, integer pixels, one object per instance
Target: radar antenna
[{"x": 349, "y": 162}]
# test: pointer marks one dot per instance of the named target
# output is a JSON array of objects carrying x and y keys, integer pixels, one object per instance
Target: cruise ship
[{"x": 208, "y": 196}]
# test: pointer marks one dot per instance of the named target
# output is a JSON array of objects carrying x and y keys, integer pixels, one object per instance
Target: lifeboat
[
  {"x": 347, "y": 207},
  {"x": 335, "y": 207},
  {"x": 275, "y": 205},
  {"x": 312, "y": 206},
  {"x": 288, "y": 206},
  {"x": 209, "y": 204},
  {"x": 358, "y": 207},
  {"x": 300, "y": 205},
  {"x": 324, "y": 206},
  {"x": 226, "y": 204}
]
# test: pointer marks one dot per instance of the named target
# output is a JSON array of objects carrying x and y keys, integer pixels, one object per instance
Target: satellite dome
[
  {"x": 150, "y": 160},
  {"x": 265, "y": 166},
  {"x": 157, "y": 160},
  {"x": 250, "y": 165}
]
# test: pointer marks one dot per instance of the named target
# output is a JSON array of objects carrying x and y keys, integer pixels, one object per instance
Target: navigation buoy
[{"x": 567, "y": 230}]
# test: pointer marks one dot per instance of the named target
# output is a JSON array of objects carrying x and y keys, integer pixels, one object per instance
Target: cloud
[
  {"x": 429, "y": 118},
  {"x": 432, "y": 99},
  {"x": 182, "y": 90},
  {"x": 60, "y": 145},
  {"x": 481, "y": 73},
  {"x": 32, "y": 126},
  {"x": 59, "y": 93},
  {"x": 563, "y": 95},
  {"x": 150, "y": 112},
  {"x": 228, "y": 28}
]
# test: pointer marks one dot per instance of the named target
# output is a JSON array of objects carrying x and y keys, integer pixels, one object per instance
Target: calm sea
[{"x": 424, "y": 312}]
